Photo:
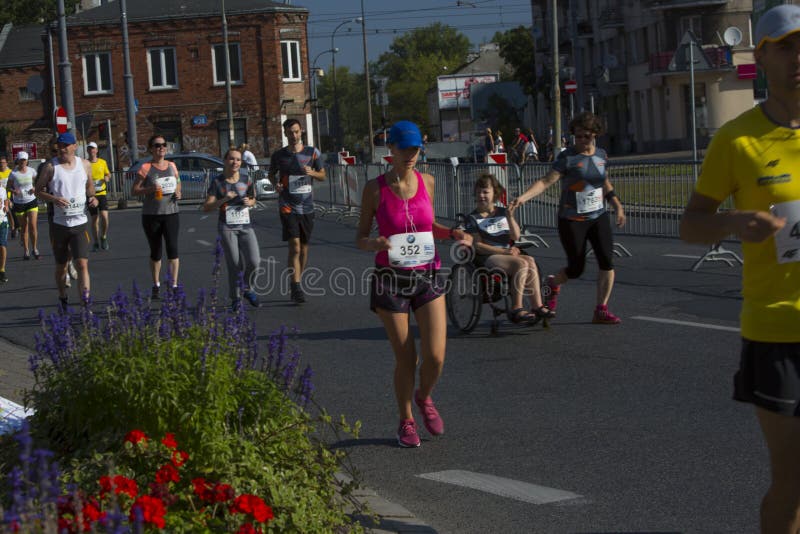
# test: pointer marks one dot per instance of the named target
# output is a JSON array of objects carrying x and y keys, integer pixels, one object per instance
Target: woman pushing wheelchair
[{"x": 495, "y": 230}]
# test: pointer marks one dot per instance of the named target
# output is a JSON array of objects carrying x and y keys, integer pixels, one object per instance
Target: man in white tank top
[{"x": 65, "y": 181}]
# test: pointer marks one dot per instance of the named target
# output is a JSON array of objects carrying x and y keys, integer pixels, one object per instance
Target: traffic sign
[
  {"x": 61, "y": 120},
  {"x": 386, "y": 160},
  {"x": 570, "y": 86}
]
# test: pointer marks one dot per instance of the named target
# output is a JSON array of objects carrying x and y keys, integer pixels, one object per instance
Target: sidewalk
[{"x": 15, "y": 377}]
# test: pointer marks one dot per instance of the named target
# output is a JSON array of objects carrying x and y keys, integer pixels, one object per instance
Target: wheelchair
[{"x": 470, "y": 287}]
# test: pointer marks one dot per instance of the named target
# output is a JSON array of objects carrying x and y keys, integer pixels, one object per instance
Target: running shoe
[
  {"x": 62, "y": 304},
  {"x": 36, "y": 254},
  {"x": 73, "y": 272},
  {"x": 154, "y": 293},
  {"x": 407, "y": 434},
  {"x": 555, "y": 289},
  {"x": 26, "y": 256},
  {"x": 252, "y": 298},
  {"x": 3, "y": 277},
  {"x": 603, "y": 316},
  {"x": 96, "y": 247},
  {"x": 430, "y": 415},
  {"x": 104, "y": 243},
  {"x": 297, "y": 293}
]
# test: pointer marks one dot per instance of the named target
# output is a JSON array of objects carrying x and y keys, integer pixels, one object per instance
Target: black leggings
[
  {"x": 575, "y": 234},
  {"x": 157, "y": 227}
]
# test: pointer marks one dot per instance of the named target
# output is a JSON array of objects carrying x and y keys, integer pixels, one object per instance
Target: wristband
[{"x": 611, "y": 194}]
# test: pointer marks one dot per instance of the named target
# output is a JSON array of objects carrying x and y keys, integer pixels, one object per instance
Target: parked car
[
  {"x": 264, "y": 187},
  {"x": 192, "y": 166}
]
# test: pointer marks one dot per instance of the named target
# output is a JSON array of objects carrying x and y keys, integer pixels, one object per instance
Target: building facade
[
  {"x": 177, "y": 58},
  {"x": 634, "y": 62}
]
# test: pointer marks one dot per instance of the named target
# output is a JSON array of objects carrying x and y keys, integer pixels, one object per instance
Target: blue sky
[{"x": 478, "y": 20}]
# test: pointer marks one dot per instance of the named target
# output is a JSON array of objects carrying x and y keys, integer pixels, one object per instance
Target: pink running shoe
[
  {"x": 407, "y": 434},
  {"x": 430, "y": 416},
  {"x": 603, "y": 316},
  {"x": 551, "y": 300}
]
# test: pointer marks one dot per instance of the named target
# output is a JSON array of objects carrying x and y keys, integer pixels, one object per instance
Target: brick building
[{"x": 177, "y": 66}]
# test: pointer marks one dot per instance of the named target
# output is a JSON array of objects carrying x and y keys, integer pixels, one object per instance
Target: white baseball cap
[
  {"x": 92, "y": 145},
  {"x": 777, "y": 23},
  {"x": 22, "y": 155}
]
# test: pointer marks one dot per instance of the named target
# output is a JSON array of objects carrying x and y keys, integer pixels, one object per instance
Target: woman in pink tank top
[{"x": 401, "y": 201}]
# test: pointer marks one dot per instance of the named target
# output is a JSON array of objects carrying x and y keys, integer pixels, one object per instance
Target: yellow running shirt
[
  {"x": 758, "y": 162},
  {"x": 99, "y": 171}
]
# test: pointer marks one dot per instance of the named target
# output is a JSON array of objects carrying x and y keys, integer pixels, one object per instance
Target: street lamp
[
  {"x": 314, "y": 73},
  {"x": 335, "y": 96}
]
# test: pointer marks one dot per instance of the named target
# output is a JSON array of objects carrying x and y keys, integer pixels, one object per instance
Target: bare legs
[
  {"x": 298, "y": 257},
  {"x": 780, "y": 508}
]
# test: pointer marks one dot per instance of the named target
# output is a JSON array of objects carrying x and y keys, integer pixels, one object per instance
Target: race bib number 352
[{"x": 412, "y": 249}]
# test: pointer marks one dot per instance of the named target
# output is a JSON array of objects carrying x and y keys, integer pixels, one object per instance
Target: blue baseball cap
[
  {"x": 66, "y": 138},
  {"x": 777, "y": 23},
  {"x": 405, "y": 134}
]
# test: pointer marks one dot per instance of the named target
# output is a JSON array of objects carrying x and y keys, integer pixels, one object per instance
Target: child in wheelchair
[{"x": 494, "y": 232}]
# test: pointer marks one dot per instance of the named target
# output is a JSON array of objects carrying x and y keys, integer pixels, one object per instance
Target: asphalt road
[{"x": 635, "y": 421}]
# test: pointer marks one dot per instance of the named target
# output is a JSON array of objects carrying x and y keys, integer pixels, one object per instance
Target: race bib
[
  {"x": 168, "y": 184},
  {"x": 589, "y": 201},
  {"x": 412, "y": 249},
  {"x": 99, "y": 185},
  {"x": 235, "y": 215},
  {"x": 299, "y": 185},
  {"x": 787, "y": 240},
  {"x": 75, "y": 207},
  {"x": 494, "y": 225}
]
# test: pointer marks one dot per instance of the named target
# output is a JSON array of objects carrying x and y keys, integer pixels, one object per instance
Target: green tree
[
  {"x": 517, "y": 49},
  {"x": 413, "y": 62},
  {"x": 33, "y": 11},
  {"x": 351, "y": 95}
]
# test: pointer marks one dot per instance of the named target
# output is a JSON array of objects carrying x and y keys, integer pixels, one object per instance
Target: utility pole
[
  {"x": 64, "y": 66},
  {"x": 556, "y": 83},
  {"x": 366, "y": 79},
  {"x": 577, "y": 57},
  {"x": 130, "y": 103},
  {"x": 228, "y": 97}
]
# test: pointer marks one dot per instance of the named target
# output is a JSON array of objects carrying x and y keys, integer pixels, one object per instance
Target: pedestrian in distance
[
  {"x": 293, "y": 169},
  {"x": 65, "y": 181},
  {"x": 406, "y": 262},
  {"x": 488, "y": 141},
  {"x": 495, "y": 230},
  {"x": 582, "y": 214},
  {"x": 755, "y": 159},
  {"x": 5, "y": 206},
  {"x": 159, "y": 183},
  {"x": 499, "y": 147},
  {"x": 248, "y": 158},
  {"x": 100, "y": 176},
  {"x": 5, "y": 172},
  {"x": 21, "y": 183},
  {"x": 232, "y": 194}
]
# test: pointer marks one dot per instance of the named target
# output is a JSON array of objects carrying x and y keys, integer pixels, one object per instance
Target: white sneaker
[{"x": 73, "y": 273}]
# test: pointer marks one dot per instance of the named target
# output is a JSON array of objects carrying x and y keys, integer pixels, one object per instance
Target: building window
[
  {"x": 162, "y": 68},
  {"x": 290, "y": 55},
  {"x": 218, "y": 52},
  {"x": 694, "y": 23},
  {"x": 97, "y": 73},
  {"x": 25, "y": 95}
]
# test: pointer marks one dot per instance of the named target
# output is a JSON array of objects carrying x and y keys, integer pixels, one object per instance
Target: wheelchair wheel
[{"x": 464, "y": 298}]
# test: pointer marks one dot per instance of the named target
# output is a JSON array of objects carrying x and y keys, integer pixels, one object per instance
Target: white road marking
[
  {"x": 505, "y": 487},
  {"x": 192, "y": 230},
  {"x": 204, "y": 243},
  {"x": 686, "y": 323},
  {"x": 691, "y": 257}
]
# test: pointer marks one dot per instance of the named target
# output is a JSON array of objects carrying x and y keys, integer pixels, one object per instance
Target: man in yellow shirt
[
  {"x": 5, "y": 172},
  {"x": 100, "y": 175},
  {"x": 756, "y": 159}
]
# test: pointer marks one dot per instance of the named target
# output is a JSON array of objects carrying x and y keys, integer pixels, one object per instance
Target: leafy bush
[{"x": 196, "y": 374}]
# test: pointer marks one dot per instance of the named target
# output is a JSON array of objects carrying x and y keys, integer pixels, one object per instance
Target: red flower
[
  {"x": 203, "y": 489},
  {"x": 167, "y": 473},
  {"x": 248, "y": 528},
  {"x": 253, "y": 505},
  {"x": 135, "y": 436},
  {"x": 222, "y": 492},
  {"x": 150, "y": 509},
  {"x": 169, "y": 441},
  {"x": 179, "y": 458},
  {"x": 91, "y": 514},
  {"x": 120, "y": 484}
]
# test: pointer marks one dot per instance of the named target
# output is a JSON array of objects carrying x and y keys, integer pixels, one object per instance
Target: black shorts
[
  {"x": 21, "y": 209},
  {"x": 102, "y": 205},
  {"x": 160, "y": 228},
  {"x": 295, "y": 225},
  {"x": 401, "y": 290},
  {"x": 69, "y": 239},
  {"x": 769, "y": 376}
]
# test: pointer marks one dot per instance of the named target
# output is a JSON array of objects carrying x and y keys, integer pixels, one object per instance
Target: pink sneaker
[
  {"x": 552, "y": 299},
  {"x": 603, "y": 316},
  {"x": 407, "y": 434},
  {"x": 430, "y": 416}
]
